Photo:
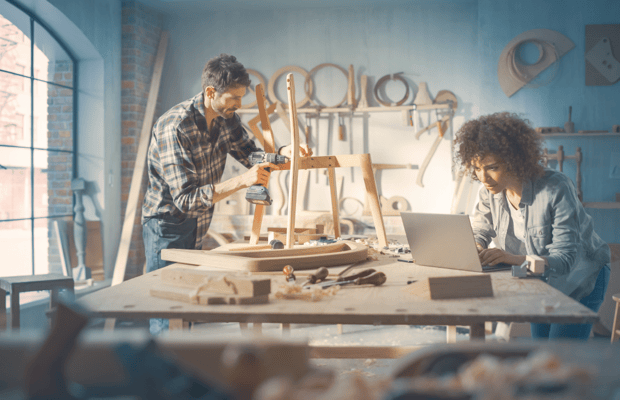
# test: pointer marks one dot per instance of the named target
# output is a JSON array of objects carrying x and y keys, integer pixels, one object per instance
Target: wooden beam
[
  {"x": 138, "y": 171},
  {"x": 292, "y": 197},
  {"x": 269, "y": 146}
]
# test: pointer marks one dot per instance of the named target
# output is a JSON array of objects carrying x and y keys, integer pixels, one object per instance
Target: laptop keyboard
[{"x": 496, "y": 267}]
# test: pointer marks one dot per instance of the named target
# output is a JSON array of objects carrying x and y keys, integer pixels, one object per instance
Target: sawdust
[{"x": 295, "y": 291}]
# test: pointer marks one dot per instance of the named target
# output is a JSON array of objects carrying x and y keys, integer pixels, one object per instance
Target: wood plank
[
  {"x": 272, "y": 260},
  {"x": 140, "y": 164},
  {"x": 217, "y": 282},
  {"x": 458, "y": 287},
  {"x": 187, "y": 295},
  {"x": 292, "y": 194}
]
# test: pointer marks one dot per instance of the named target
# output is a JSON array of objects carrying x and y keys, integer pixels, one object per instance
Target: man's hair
[
  {"x": 224, "y": 72},
  {"x": 505, "y": 136}
]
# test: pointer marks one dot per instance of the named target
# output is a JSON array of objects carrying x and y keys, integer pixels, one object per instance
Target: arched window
[{"x": 37, "y": 141}]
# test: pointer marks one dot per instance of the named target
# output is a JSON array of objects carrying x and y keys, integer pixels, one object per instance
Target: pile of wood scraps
[{"x": 200, "y": 286}]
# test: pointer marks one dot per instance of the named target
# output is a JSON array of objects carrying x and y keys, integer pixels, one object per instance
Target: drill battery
[{"x": 257, "y": 194}]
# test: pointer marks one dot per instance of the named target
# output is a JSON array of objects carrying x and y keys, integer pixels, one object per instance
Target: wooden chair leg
[
  {"x": 451, "y": 334},
  {"x": 334, "y": 195},
  {"x": 373, "y": 197},
  {"x": 2, "y": 309},
  {"x": 15, "y": 314}
]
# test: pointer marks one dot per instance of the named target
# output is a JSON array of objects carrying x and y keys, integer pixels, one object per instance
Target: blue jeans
[
  {"x": 576, "y": 331},
  {"x": 166, "y": 232}
]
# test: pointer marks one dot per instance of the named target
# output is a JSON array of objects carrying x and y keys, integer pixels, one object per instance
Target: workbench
[{"x": 394, "y": 303}]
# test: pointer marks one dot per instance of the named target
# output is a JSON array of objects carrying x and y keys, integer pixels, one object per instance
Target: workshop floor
[{"x": 327, "y": 335}]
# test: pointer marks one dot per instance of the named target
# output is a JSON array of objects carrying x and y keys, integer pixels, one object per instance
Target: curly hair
[
  {"x": 505, "y": 136},
  {"x": 224, "y": 72}
]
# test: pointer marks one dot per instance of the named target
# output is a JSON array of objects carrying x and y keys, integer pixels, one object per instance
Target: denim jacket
[{"x": 556, "y": 227}]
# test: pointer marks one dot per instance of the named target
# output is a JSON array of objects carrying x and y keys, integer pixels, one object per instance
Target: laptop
[{"x": 445, "y": 241}]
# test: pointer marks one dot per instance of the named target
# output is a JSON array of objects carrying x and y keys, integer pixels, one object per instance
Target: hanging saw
[{"x": 442, "y": 127}]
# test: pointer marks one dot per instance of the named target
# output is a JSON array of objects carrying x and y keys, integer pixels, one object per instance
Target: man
[{"x": 186, "y": 160}]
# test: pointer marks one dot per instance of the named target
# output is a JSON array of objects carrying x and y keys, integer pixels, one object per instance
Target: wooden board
[
  {"x": 300, "y": 257},
  {"x": 140, "y": 165},
  {"x": 217, "y": 282},
  {"x": 459, "y": 287},
  {"x": 187, "y": 295}
]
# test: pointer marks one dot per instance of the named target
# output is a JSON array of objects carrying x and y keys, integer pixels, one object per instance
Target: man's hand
[
  {"x": 495, "y": 256},
  {"x": 304, "y": 151},
  {"x": 256, "y": 175}
]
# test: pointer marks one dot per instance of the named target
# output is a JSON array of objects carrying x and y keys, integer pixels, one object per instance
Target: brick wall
[
  {"x": 141, "y": 31},
  {"x": 60, "y": 164}
]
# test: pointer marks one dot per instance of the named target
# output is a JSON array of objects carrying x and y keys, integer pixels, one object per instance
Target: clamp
[{"x": 535, "y": 265}]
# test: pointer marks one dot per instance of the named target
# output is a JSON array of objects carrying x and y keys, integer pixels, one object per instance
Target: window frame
[{"x": 35, "y": 20}]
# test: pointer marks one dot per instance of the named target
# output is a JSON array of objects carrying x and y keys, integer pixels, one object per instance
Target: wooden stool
[
  {"x": 615, "y": 328},
  {"x": 29, "y": 283}
]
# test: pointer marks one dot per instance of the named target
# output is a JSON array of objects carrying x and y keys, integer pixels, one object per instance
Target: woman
[{"x": 528, "y": 209}]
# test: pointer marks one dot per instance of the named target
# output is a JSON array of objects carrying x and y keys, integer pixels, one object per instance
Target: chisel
[
  {"x": 318, "y": 276},
  {"x": 376, "y": 278}
]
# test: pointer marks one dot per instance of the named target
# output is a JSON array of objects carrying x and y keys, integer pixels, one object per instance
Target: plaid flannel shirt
[{"x": 185, "y": 160}]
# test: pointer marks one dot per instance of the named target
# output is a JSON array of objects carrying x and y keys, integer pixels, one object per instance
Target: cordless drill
[{"x": 258, "y": 194}]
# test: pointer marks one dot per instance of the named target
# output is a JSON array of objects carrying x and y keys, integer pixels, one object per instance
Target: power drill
[{"x": 258, "y": 194}]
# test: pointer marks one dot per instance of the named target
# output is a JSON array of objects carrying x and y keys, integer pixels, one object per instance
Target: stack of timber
[{"x": 198, "y": 286}]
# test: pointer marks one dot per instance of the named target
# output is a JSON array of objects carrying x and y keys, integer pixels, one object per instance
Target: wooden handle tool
[
  {"x": 361, "y": 274},
  {"x": 340, "y": 128},
  {"x": 375, "y": 278},
  {"x": 318, "y": 276}
]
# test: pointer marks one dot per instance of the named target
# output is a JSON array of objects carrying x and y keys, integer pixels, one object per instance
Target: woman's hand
[{"x": 495, "y": 256}]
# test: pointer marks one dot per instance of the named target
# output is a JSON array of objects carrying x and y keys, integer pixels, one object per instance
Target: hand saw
[{"x": 442, "y": 130}]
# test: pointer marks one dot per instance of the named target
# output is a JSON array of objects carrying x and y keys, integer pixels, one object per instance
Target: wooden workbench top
[{"x": 394, "y": 303}]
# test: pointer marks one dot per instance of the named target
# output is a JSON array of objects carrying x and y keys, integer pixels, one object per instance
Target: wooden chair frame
[{"x": 329, "y": 162}]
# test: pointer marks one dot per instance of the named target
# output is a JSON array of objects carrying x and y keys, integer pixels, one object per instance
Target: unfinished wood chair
[
  {"x": 615, "y": 329},
  {"x": 559, "y": 156}
]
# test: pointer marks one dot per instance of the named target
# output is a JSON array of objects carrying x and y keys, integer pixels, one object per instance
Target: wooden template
[
  {"x": 140, "y": 165},
  {"x": 301, "y": 257},
  {"x": 217, "y": 282},
  {"x": 513, "y": 74},
  {"x": 459, "y": 287}
]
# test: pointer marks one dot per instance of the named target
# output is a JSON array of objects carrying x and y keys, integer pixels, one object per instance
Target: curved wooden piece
[
  {"x": 394, "y": 77},
  {"x": 300, "y": 257},
  {"x": 292, "y": 195},
  {"x": 308, "y": 82},
  {"x": 268, "y": 145},
  {"x": 261, "y": 81},
  {"x": 276, "y": 75},
  {"x": 431, "y": 152}
]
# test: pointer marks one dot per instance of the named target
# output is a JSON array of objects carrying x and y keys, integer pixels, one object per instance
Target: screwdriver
[
  {"x": 318, "y": 276},
  {"x": 376, "y": 278}
]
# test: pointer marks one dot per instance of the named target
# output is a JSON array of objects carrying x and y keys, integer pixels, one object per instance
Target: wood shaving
[{"x": 294, "y": 291}]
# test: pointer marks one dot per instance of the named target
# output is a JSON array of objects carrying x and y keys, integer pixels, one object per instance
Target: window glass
[
  {"x": 52, "y": 183},
  {"x": 16, "y": 248},
  {"x": 51, "y": 62},
  {"x": 53, "y": 116},
  {"x": 14, "y": 110},
  {"x": 15, "y": 183},
  {"x": 14, "y": 40}
]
